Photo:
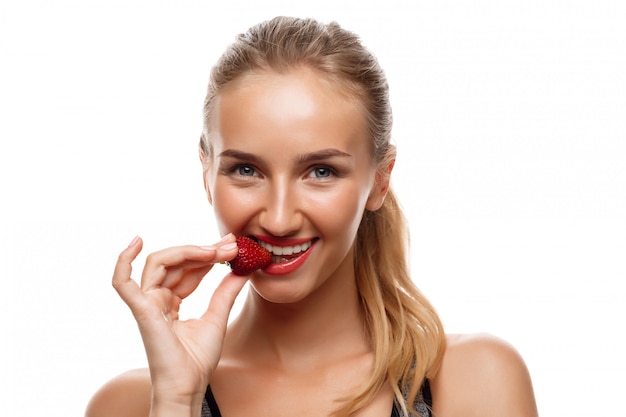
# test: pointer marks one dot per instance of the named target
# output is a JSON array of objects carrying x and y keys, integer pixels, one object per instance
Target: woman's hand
[{"x": 182, "y": 355}]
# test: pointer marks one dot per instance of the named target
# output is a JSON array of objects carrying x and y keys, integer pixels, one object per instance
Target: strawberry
[{"x": 251, "y": 257}]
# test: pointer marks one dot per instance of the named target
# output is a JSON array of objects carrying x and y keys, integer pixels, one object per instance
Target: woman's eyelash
[
  {"x": 323, "y": 171},
  {"x": 244, "y": 170}
]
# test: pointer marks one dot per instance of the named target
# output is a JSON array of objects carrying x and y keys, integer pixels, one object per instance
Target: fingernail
[
  {"x": 210, "y": 247},
  {"x": 134, "y": 241},
  {"x": 226, "y": 237},
  {"x": 229, "y": 246}
]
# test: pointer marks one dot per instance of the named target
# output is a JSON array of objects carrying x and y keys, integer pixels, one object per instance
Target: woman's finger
[
  {"x": 223, "y": 299},
  {"x": 175, "y": 275},
  {"x": 184, "y": 286},
  {"x": 160, "y": 266},
  {"x": 125, "y": 286}
]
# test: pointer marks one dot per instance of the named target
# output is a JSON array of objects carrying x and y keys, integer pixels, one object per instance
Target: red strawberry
[{"x": 251, "y": 257}]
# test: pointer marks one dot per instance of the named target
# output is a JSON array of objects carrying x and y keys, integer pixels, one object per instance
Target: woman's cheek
[
  {"x": 338, "y": 210},
  {"x": 232, "y": 207}
]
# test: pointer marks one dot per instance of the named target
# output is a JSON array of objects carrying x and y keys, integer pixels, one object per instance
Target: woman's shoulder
[
  {"x": 125, "y": 395},
  {"x": 482, "y": 375},
  {"x": 483, "y": 353}
]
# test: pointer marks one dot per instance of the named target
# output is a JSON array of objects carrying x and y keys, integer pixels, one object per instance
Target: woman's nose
[{"x": 282, "y": 215}]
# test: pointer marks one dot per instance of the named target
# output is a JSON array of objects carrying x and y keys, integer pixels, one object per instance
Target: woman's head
[{"x": 336, "y": 55}]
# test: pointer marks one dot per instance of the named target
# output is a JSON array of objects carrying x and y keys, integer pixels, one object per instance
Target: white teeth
[{"x": 286, "y": 250}]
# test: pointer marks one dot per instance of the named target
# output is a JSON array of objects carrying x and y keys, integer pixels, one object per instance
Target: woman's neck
[{"x": 325, "y": 326}]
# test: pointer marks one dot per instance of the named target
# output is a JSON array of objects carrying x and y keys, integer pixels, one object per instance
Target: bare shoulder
[
  {"x": 126, "y": 395},
  {"x": 482, "y": 375}
]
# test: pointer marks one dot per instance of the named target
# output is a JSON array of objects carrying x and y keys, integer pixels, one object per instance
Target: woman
[{"x": 296, "y": 153}]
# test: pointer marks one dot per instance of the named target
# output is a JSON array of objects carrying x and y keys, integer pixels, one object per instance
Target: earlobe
[
  {"x": 378, "y": 193},
  {"x": 382, "y": 180},
  {"x": 208, "y": 190},
  {"x": 205, "y": 170}
]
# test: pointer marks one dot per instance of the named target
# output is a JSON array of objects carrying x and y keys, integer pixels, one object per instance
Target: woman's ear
[
  {"x": 205, "y": 171},
  {"x": 382, "y": 181}
]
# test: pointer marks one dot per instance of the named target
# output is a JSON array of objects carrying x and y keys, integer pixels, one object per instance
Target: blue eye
[
  {"x": 245, "y": 170},
  {"x": 322, "y": 172}
]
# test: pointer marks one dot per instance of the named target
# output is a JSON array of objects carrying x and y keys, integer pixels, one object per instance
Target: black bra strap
[
  {"x": 210, "y": 399},
  {"x": 428, "y": 397}
]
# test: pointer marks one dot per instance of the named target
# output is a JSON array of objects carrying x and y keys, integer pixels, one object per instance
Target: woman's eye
[
  {"x": 245, "y": 170},
  {"x": 321, "y": 172}
]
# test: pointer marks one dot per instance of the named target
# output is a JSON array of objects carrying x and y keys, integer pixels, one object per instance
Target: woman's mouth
[{"x": 285, "y": 253}]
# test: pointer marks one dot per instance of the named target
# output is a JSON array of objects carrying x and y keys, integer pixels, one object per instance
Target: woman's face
[{"x": 291, "y": 165}]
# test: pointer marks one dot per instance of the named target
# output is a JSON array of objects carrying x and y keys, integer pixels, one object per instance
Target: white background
[{"x": 511, "y": 129}]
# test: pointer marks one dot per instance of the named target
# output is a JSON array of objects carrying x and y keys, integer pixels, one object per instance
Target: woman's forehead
[
  {"x": 296, "y": 99},
  {"x": 334, "y": 85}
]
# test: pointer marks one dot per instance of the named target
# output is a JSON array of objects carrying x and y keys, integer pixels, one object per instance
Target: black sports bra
[{"x": 423, "y": 404}]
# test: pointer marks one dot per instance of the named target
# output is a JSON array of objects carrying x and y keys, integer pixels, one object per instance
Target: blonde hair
[{"x": 404, "y": 330}]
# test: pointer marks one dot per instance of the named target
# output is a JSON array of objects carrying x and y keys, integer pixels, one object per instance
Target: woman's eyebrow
[
  {"x": 245, "y": 156},
  {"x": 300, "y": 159},
  {"x": 321, "y": 155}
]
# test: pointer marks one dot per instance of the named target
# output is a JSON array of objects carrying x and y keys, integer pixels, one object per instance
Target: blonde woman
[{"x": 296, "y": 154}]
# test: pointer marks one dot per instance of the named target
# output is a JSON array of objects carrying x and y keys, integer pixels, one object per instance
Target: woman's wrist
[{"x": 162, "y": 407}]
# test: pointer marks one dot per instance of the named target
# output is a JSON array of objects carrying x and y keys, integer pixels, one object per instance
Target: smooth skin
[{"x": 290, "y": 160}]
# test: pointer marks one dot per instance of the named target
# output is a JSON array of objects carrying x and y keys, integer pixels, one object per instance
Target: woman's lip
[
  {"x": 282, "y": 241},
  {"x": 287, "y": 267}
]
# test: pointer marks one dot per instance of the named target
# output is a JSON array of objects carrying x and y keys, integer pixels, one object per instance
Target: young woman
[{"x": 296, "y": 153}]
